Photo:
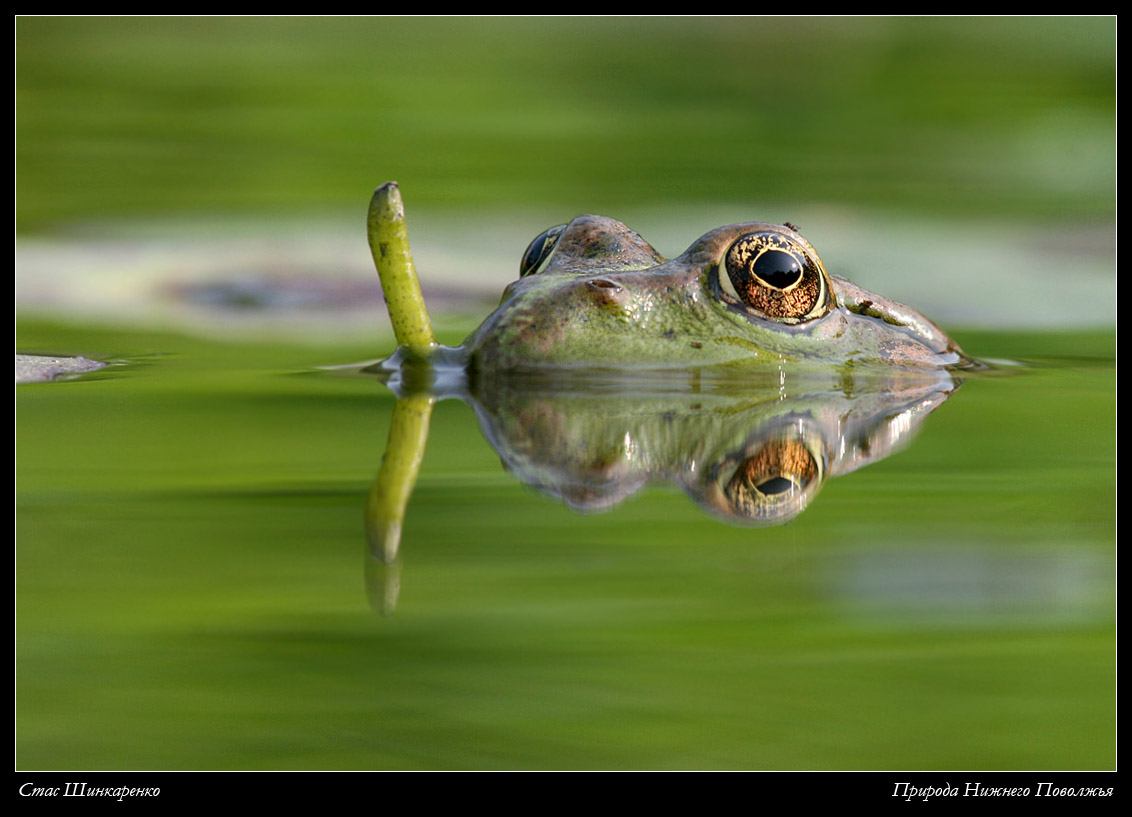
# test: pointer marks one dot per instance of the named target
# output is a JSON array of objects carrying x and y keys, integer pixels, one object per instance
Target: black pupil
[
  {"x": 775, "y": 485},
  {"x": 778, "y": 269}
]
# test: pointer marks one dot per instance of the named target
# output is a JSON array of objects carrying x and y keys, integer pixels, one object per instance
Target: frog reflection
[{"x": 751, "y": 453}]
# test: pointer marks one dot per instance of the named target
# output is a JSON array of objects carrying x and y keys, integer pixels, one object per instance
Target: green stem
[{"x": 389, "y": 243}]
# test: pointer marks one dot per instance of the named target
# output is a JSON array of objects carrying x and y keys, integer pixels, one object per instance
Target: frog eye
[
  {"x": 776, "y": 276},
  {"x": 539, "y": 250}
]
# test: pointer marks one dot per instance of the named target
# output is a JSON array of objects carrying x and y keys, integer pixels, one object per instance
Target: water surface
[{"x": 191, "y": 585}]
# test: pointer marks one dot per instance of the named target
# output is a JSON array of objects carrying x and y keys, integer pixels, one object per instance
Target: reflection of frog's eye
[
  {"x": 539, "y": 250},
  {"x": 775, "y": 481},
  {"x": 776, "y": 276}
]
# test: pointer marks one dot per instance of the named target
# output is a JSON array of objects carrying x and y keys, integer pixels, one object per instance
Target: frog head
[{"x": 594, "y": 294}]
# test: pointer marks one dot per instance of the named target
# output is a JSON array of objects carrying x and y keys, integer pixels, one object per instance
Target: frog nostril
[{"x": 603, "y": 290}]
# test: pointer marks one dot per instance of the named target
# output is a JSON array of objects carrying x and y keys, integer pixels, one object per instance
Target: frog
[
  {"x": 593, "y": 294},
  {"x": 593, "y": 297}
]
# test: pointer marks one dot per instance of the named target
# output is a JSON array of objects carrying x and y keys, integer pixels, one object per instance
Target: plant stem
[{"x": 389, "y": 243}]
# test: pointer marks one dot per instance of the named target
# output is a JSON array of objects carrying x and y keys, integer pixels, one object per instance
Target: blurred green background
[
  {"x": 137, "y": 117},
  {"x": 927, "y": 158}
]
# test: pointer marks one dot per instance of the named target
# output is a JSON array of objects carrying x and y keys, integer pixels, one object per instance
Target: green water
[{"x": 191, "y": 590}]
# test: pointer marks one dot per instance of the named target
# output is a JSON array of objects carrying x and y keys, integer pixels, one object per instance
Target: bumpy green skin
[{"x": 606, "y": 298}]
